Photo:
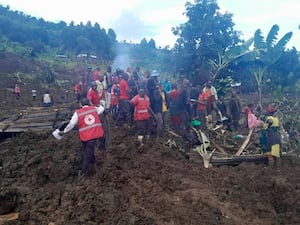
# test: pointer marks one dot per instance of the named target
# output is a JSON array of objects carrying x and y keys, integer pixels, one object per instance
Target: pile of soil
[{"x": 154, "y": 185}]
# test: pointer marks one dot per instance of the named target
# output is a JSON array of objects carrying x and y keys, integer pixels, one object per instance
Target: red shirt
[
  {"x": 113, "y": 98},
  {"x": 141, "y": 109},
  {"x": 96, "y": 75},
  {"x": 17, "y": 89},
  {"x": 93, "y": 96},
  {"x": 201, "y": 101},
  {"x": 174, "y": 95},
  {"x": 89, "y": 124},
  {"x": 124, "y": 89}
]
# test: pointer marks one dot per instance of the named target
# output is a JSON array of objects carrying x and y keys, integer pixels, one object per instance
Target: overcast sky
[{"x": 133, "y": 20}]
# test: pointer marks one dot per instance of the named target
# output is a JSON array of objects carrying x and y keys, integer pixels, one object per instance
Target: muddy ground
[{"x": 155, "y": 185}]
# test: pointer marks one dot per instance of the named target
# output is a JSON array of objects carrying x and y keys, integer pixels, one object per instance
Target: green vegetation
[{"x": 207, "y": 48}]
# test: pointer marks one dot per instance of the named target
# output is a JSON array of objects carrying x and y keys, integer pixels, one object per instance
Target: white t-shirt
[{"x": 47, "y": 98}]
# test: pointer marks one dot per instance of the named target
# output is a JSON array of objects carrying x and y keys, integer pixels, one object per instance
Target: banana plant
[
  {"x": 230, "y": 55},
  {"x": 265, "y": 53}
]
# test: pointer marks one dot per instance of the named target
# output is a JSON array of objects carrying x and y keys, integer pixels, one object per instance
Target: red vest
[
  {"x": 89, "y": 123},
  {"x": 142, "y": 105}
]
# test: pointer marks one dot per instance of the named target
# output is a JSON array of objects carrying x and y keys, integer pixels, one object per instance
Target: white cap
[{"x": 154, "y": 73}]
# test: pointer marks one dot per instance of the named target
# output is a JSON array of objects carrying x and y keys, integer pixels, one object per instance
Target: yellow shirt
[
  {"x": 164, "y": 104},
  {"x": 275, "y": 122}
]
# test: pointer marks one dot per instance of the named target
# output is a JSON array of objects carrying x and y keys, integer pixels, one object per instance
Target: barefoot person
[{"x": 141, "y": 104}]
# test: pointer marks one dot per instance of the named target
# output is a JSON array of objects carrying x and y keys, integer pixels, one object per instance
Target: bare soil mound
[{"x": 154, "y": 185}]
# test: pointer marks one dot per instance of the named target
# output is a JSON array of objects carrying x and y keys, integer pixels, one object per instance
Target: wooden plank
[
  {"x": 7, "y": 122},
  {"x": 11, "y": 119},
  {"x": 9, "y": 216},
  {"x": 34, "y": 124},
  {"x": 22, "y": 130},
  {"x": 33, "y": 120},
  {"x": 20, "y": 121}
]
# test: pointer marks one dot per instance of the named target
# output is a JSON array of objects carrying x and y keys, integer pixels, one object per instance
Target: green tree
[
  {"x": 285, "y": 71},
  {"x": 205, "y": 37}
]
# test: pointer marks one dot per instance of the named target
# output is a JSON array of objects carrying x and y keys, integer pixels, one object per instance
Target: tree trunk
[{"x": 260, "y": 95}]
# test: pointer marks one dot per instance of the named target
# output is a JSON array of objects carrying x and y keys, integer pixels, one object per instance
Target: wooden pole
[{"x": 245, "y": 143}]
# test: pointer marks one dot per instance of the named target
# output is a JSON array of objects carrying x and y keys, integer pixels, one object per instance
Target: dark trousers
[
  {"x": 143, "y": 127},
  {"x": 202, "y": 118},
  {"x": 124, "y": 112},
  {"x": 88, "y": 154},
  {"x": 114, "y": 111},
  {"x": 184, "y": 121}
]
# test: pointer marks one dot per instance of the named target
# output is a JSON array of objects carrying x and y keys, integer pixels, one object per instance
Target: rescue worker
[
  {"x": 271, "y": 138},
  {"x": 141, "y": 104},
  {"x": 90, "y": 130}
]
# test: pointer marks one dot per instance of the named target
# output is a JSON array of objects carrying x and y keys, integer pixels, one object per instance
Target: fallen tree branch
[
  {"x": 173, "y": 133},
  {"x": 224, "y": 136},
  {"x": 219, "y": 148},
  {"x": 245, "y": 143}
]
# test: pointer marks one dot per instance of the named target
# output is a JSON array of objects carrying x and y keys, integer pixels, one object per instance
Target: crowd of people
[
  {"x": 144, "y": 100},
  {"x": 154, "y": 106}
]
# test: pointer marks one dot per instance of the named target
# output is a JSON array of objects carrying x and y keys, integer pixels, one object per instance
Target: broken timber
[
  {"x": 34, "y": 119},
  {"x": 234, "y": 160}
]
